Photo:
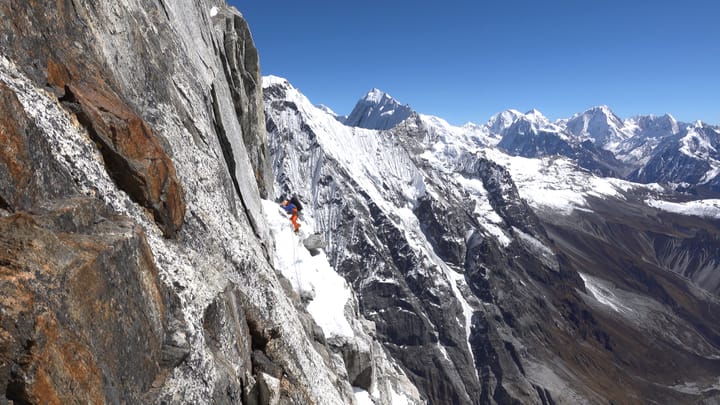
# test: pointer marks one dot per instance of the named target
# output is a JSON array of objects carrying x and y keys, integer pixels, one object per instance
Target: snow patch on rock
[
  {"x": 700, "y": 208},
  {"x": 603, "y": 293}
]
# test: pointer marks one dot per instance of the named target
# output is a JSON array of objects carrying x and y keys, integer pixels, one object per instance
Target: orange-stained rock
[
  {"x": 67, "y": 58},
  {"x": 28, "y": 172},
  {"x": 83, "y": 316},
  {"x": 65, "y": 371},
  {"x": 15, "y": 171},
  {"x": 57, "y": 74},
  {"x": 133, "y": 156}
]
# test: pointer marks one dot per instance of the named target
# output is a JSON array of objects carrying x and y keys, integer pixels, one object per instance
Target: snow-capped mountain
[
  {"x": 701, "y": 142},
  {"x": 646, "y": 133},
  {"x": 533, "y": 135},
  {"x": 690, "y": 159},
  {"x": 600, "y": 125},
  {"x": 378, "y": 110},
  {"x": 651, "y": 126},
  {"x": 645, "y": 148},
  {"x": 500, "y": 122},
  {"x": 631, "y": 141},
  {"x": 493, "y": 278},
  {"x": 437, "y": 129},
  {"x": 596, "y": 139}
]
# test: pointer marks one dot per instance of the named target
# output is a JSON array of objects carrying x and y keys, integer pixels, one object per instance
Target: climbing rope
[{"x": 295, "y": 266}]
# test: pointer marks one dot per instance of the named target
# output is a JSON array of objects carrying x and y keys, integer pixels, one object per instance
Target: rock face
[
  {"x": 27, "y": 176},
  {"x": 483, "y": 299},
  {"x": 243, "y": 76},
  {"x": 132, "y": 153},
  {"x": 135, "y": 264},
  {"x": 691, "y": 158},
  {"x": 85, "y": 316}
]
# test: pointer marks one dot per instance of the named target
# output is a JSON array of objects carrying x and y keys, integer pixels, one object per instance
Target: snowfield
[{"x": 311, "y": 277}]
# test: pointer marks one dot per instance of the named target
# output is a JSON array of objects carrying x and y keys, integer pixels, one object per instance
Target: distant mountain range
[
  {"x": 509, "y": 262},
  {"x": 646, "y": 149}
]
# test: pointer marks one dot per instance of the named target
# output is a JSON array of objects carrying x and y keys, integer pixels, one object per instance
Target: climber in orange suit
[{"x": 291, "y": 209}]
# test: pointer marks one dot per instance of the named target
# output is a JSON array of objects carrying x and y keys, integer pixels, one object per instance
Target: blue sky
[{"x": 467, "y": 60}]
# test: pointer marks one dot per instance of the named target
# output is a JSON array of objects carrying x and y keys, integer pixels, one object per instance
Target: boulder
[{"x": 314, "y": 242}]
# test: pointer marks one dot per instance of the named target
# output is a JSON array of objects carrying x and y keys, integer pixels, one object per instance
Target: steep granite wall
[{"x": 134, "y": 259}]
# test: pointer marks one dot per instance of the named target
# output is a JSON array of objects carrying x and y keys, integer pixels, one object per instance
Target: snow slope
[
  {"x": 331, "y": 302},
  {"x": 701, "y": 208},
  {"x": 312, "y": 277}
]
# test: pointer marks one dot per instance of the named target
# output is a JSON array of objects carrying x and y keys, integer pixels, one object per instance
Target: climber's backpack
[{"x": 296, "y": 202}]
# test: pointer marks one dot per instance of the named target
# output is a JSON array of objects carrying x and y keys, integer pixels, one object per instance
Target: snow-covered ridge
[
  {"x": 331, "y": 302},
  {"x": 498, "y": 123},
  {"x": 375, "y": 95},
  {"x": 651, "y": 126},
  {"x": 546, "y": 183},
  {"x": 327, "y": 109},
  {"x": 533, "y": 122},
  {"x": 700, "y": 208},
  {"x": 468, "y": 134},
  {"x": 272, "y": 80},
  {"x": 697, "y": 143},
  {"x": 555, "y": 183},
  {"x": 376, "y": 162}
]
